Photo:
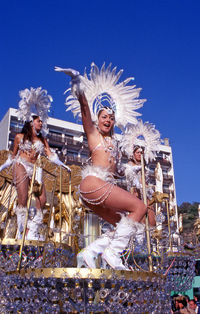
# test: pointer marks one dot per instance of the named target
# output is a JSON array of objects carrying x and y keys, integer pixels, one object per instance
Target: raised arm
[
  {"x": 78, "y": 91},
  {"x": 88, "y": 125},
  {"x": 47, "y": 148}
]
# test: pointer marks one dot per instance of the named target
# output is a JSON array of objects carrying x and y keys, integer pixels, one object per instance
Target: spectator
[{"x": 193, "y": 305}]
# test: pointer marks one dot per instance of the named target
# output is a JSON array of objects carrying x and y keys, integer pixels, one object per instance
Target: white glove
[
  {"x": 54, "y": 158},
  {"x": 68, "y": 71},
  {"x": 7, "y": 163},
  {"x": 77, "y": 88}
]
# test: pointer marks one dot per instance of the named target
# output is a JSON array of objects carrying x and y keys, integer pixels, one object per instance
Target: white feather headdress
[
  {"x": 102, "y": 85},
  {"x": 144, "y": 135},
  {"x": 34, "y": 101}
]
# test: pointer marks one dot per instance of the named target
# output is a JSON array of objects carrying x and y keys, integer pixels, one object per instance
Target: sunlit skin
[
  {"x": 106, "y": 122},
  {"x": 37, "y": 123},
  {"x": 118, "y": 200},
  {"x": 137, "y": 157}
]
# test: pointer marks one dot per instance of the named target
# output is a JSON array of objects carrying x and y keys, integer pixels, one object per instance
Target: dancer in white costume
[
  {"x": 98, "y": 189},
  {"x": 140, "y": 139},
  {"x": 28, "y": 146}
]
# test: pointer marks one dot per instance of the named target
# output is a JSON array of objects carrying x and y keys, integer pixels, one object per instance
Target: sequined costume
[
  {"x": 133, "y": 179},
  {"x": 26, "y": 147},
  {"x": 103, "y": 174}
]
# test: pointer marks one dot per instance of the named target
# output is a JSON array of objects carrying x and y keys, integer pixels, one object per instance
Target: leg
[
  {"x": 36, "y": 220},
  {"x": 87, "y": 256},
  {"x": 40, "y": 202},
  {"x": 117, "y": 201},
  {"x": 22, "y": 182}
]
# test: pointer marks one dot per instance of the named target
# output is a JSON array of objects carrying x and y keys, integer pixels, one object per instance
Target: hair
[
  {"x": 187, "y": 297},
  {"x": 132, "y": 157},
  {"x": 182, "y": 300},
  {"x": 136, "y": 147},
  {"x": 193, "y": 301},
  {"x": 27, "y": 131}
]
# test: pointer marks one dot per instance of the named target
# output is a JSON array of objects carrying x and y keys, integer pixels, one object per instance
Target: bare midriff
[
  {"x": 29, "y": 156},
  {"x": 101, "y": 158}
]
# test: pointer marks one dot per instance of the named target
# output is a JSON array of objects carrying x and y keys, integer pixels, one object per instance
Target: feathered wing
[
  {"x": 142, "y": 134},
  {"x": 123, "y": 98}
]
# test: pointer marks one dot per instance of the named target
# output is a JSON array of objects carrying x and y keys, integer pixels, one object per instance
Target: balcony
[
  {"x": 163, "y": 162},
  {"x": 56, "y": 139},
  {"x": 76, "y": 160}
]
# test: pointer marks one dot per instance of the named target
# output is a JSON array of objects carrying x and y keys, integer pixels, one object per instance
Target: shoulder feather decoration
[
  {"x": 102, "y": 86},
  {"x": 34, "y": 101},
  {"x": 144, "y": 135}
]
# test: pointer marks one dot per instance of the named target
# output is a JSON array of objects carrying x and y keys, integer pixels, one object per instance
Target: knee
[
  {"x": 22, "y": 201},
  {"x": 142, "y": 208},
  {"x": 152, "y": 217},
  {"x": 42, "y": 200}
]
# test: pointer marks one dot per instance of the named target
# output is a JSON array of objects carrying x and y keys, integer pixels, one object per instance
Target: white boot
[
  {"x": 87, "y": 256},
  {"x": 124, "y": 230},
  {"x": 21, "y": 216},
  {"x": 34, "y": 223}
]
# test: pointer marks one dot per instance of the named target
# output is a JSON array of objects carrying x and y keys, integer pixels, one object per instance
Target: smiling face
[
  {"x": 106, "y": 122},
  {"x": 37, "y": 124}
]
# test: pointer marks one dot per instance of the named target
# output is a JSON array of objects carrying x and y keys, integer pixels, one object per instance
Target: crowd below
[{"x": 183, "y": 304}]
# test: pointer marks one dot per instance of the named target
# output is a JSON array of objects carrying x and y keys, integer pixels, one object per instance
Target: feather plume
[
  {"x": 123, "y": 98},
  {"x": 144, "y": 135},
  {"x": 34, "y": 101}
]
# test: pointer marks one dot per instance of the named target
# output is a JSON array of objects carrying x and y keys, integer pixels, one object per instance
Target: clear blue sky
[{"x": 157, "y": 42}]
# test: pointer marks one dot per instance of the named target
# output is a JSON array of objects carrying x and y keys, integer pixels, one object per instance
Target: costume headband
[{"x": 102, "y": 88}]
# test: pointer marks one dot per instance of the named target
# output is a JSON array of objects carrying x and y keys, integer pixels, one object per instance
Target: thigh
[
  {"x": 42, "y": 197},
  {"x": 22, "y": 183},
  {"x": 118, "y": 200},
  {"x": 151, "y": 216}
]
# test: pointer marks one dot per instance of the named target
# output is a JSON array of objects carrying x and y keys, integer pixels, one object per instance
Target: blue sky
[{"x": 157, "y": 42}]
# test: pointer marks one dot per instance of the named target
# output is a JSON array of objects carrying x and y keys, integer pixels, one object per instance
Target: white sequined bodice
[{"x": 27, "y": 146}]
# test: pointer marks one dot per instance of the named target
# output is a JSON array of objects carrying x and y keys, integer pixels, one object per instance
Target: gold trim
[
  {"x": 35, "y": 243},
  {"x": 85, "y": 273}
]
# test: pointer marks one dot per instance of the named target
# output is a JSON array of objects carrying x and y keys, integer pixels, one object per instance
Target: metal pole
[
  {"x": 146, "y": 218},
  {"x": 168, "y": 222},
  {"x": 70, "y": 208},
  {"x": 60, "y": 220}
]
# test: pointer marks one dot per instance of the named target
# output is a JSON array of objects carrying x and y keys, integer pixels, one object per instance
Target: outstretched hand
[
  {"x": 71, "y": 72},
  {"x": 77, "y": 88}
]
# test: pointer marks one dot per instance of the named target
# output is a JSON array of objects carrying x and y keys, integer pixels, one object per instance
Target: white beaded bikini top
[
  {"x": 108, "y": 144},
  {"x": 27, "y": 146}
]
